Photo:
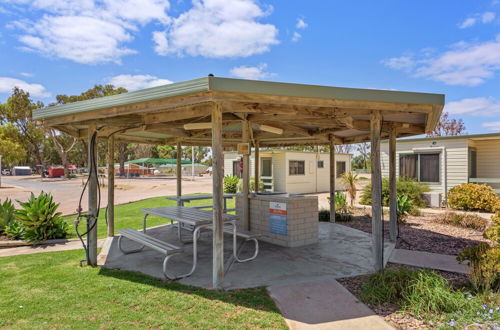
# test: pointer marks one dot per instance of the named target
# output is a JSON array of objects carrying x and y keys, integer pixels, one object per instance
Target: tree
[
  {"x": 364, "y": 150},
  {"x": 448, "y": 127},
  {"x": 343, "y": 148},
  {"x": 124, "y": 150},
  {"x": 63, "y": 144},
  {"x": 11, "y": 150},
  {"x": 18, "y": 112}
]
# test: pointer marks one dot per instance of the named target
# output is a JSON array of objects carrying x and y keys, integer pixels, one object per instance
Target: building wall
[
  {"x": 314, "y": 180},
  {"x": 488, "y": 159},
  {"x": 454, "y": 154}
]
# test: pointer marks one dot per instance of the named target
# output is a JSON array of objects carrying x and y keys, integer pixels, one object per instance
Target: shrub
[
  {"x": 484, "y": 266},
  {"x": 473, "y": 196},
  {"x": 251, "y": 185},
  {"x": 40, "y": 218},
  {"x": 324, "y": 215},
  {"x": 493, "y": 232},
  {"x": 462, "y": 220},
  {"x": 420, "y": 292},
  {"x": 407, "y": 187},
  {"x": 7, "y": 212},
  {"x": 341, "y": 203},
  {"x": 231, "y": 184}
]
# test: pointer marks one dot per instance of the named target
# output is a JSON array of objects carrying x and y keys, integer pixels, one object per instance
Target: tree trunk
[{"x": 64, "y": 159}]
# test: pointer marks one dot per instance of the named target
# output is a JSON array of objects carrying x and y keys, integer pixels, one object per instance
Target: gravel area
[
  {"x": 422, "y": 234},
  {"x": 390, "y": 312}
]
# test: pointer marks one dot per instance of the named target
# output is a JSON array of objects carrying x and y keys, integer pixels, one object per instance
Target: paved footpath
[
  {"x": 72, "y": 244},
  {"x": 324, "y": 305},
  {"x": 428, "y": 260}
]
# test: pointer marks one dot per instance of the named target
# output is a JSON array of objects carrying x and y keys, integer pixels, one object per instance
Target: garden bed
[
  {"x": 392, "y": 313},
  {"x": 421, "y": 233}
]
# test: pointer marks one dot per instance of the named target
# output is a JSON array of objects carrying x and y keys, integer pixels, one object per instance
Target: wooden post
[
  {"x": 377, "y": 232},
  {"x": 178, "y": 172},
  {"x": 393, "y": 217},
  {"x": 111, "y": 186},
  {"x": 92, "y": 198},
  {"x": 218, "y": 199},
  {"x": 257, "y": 166},
  {"x": 245, "y": 203},
  {"x": 332, "y": 178}
]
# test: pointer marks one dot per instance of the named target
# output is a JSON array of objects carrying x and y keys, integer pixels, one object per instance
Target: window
[
  {"x": 423, "y": 167},
  {"x": 340, "y": 169},
  {"x": 296, "y": 167},
  {"x": 321, "y": 164}
]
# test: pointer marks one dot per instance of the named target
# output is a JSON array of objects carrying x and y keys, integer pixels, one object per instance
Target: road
[{"x": 67, "y": 192}]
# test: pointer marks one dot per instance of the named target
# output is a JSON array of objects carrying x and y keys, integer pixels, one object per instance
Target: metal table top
[
  {"x": 187, "y": 198},
  {"x": 188, "y": 215}
]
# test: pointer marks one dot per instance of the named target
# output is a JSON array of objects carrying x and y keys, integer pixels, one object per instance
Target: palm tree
[{"x": 350, "y": 179}]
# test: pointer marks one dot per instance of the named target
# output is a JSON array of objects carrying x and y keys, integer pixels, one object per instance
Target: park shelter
[{"x": 222, "y": 113}]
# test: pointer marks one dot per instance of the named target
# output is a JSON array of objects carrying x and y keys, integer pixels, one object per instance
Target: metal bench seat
[
  {"x": 247, "y": 236},
  {"x": 163, "y": 247}
]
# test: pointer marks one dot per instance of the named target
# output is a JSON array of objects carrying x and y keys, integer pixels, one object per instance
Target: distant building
[
  {"x": 447, "y": 161},
  {"x": 294, "y": 172}
]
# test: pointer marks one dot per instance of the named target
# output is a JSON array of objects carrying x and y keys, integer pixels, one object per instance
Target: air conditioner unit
[{"x": 433, "y": 199}]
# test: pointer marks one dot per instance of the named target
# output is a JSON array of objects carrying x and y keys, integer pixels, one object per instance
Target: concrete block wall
[{"x": 302, "y": 219}]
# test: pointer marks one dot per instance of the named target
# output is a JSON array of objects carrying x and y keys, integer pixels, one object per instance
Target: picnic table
[{"x": 188, "y": 198}]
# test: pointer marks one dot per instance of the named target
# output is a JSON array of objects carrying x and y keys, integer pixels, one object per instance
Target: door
[{"x": 266, "y": 164}]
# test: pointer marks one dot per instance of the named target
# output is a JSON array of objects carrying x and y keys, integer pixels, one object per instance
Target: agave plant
[
  {"x": 7, "y": 212},
  {"x": 349, "y": 179},
  {"x": 40, "y": 218},
  {"x": 404, "y": 206}
]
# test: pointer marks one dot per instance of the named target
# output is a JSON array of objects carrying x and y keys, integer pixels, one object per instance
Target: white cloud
[
  {"x": 488, "y": 17},
  {"x": 87, "y": 31},
  {"x": 214, "y": 29},
  {"x": 301, "y": 24},
  {"x": 471, "y": 21},
  {"x": 139, "y": 81},
  {"x": 251, "y": 72},
  {"x": 494, "y": 125},
  {"x": 479, "y": 106},
  {"x": 485, "y": 18},
  {"x": 37, "y": 90},
  {"x": 296, "y": 36},
  {"x": 26, "y": 74},
  {"x": 465, "y": 64}
]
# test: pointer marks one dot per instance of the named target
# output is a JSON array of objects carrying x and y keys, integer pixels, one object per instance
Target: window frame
[
  {"x": 337, "y": 175},
  {"x": 418, "y": 165},
  {"x": 322, "y": 164},
  {"x": 297, "y": 161}
]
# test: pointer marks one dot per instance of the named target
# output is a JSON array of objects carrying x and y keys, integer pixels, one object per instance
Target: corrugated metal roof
[
  {"x": 449, "y": 137},
  {"x": 239, "y": 86}
]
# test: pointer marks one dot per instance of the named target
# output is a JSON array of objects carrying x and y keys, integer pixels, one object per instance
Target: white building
[
  {"x": 447, "y": 161},
  {"x": 292, "y": 171}
]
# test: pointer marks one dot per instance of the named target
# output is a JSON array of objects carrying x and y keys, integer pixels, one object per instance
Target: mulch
[
  {"x": 421, "y": 233},
  {"x": 390, "y": 313}
]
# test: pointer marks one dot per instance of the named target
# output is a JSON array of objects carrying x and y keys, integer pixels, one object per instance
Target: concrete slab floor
[{"x": 340, "y": 252}]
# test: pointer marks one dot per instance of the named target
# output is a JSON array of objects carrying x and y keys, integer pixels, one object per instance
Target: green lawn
[
  {"x": 130, "y": 216},
  {"x": 50, "y": 290}
]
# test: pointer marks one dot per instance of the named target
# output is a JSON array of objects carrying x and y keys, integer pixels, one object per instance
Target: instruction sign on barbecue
[{"x": 277, "y": 218}]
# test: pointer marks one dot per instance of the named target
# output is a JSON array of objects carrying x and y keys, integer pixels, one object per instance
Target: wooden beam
[
  {"x": 271, "y": 129},
  {"x": 190, "y": 126},
  {"x": 111, "y": 186},
  {"x": 174, "y": 115},
  {"x": 257, "y": 166},
  {"x": 332, "y": 178},
  {"x": 218, "y": 199},
  {"x": 92, "y": 198},
  {"x": 178, "y": 172},
  {"x": 393, "y": 217},
  {"x": 377, "y": 233},
  {"x": 245, "y": 205}
]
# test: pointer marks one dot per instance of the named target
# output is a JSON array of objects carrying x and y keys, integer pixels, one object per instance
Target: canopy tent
[
  {"x": 156, "y": 161},
  {"x": 221, "y": 112},
  {"x": 185, "y": 165}
]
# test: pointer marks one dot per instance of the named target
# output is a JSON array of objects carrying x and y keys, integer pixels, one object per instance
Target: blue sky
[{"x": 51, "y": 47}]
